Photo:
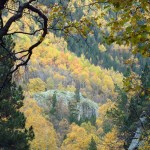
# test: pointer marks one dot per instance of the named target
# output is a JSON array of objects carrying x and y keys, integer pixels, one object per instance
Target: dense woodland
[{"x": 74, "y": 75}]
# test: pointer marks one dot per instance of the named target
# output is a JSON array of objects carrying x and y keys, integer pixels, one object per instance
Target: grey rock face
[{"x": 85, "y": 108}]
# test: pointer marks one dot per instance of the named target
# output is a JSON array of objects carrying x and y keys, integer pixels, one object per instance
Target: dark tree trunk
[{"x": 2, "y": 4}]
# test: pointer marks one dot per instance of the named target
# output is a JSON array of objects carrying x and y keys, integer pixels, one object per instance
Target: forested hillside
[
  {"x": 74, "y": 75},
  {"x": 57, "y": 69},
  {"x": 94, "y": 46}
]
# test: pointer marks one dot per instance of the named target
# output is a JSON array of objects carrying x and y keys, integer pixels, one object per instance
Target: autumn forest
[{"x": 74, "y": 75}]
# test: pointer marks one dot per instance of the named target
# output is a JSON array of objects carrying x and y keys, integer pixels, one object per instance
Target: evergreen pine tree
[
  {"x": 93, "y": 119},
  {"x": 73, "y": 111},
  {"x": 92, "y": 145},
  {"x": 13, "y": 134},
  {"x": 77, "y": 91},
  {"x": 129, "y": 108},
  {"x": 54, "y": 101}
]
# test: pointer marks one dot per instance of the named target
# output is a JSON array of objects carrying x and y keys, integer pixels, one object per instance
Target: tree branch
[{"x": 4, "y": 31}]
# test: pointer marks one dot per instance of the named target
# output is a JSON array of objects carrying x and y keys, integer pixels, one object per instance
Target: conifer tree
[
  {"x": 77, "y": 91},
  {"x": 92, "y": 145},
  {"x": 54, "y": 101},
  {"x": 13, "y": 134},
  {"x": 131, "y": 103}
]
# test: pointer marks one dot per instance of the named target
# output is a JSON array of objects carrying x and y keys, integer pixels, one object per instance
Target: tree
[
  {"x": 111, "y": 141},
  {"x": 36, "y": 85},
  {"x": 132, "y": 108},
  {"x": 54, "y": 101},
  {"x": 19, "y": 11},
  {"x": 92, "y": 145},
  {"x": 45, "y": 135},
  {"x": 77, "y": 91},
  {"x": 77, "y": 138},
  {"x": 73, "y": 112},
  {"x": 53, "y": 18},
  {"x": 13, "y": 134},
  {"x": 129, "y": 24}
]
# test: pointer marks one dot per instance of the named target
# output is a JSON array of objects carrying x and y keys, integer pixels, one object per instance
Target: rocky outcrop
[
  {"x": 135, "y": 143},
  {"x": 66, "y": 102}
]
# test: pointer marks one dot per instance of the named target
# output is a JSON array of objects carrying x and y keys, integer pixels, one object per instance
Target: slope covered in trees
[
  {"x": 95, "y": 47},
  {"x": 75, "y": 101},
  {"x": 63, "y": 70},
  {"x": 67, "y": 77},
  {"x": 45, "y": 135}
]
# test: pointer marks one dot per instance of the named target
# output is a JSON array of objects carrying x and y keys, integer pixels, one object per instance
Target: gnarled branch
[{"x": 4, "y": 31}]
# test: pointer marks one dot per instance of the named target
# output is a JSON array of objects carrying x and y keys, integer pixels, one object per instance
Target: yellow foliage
[
  {"x": 50, "y": 83},
  {"x": 111, "y": 142},
  {"x": 101, "y": 47},
  {"x": 45, "y": 136},
  {"x": 145, "y": 144},
  {"x": 62, "y": 66},
  {"x": 108, "y": 82},
  {"x": 102, "y": 116},
  {"x": 79, "y": 138},
  {"x": 105, "y": 107},
  {"x": 89, "y": 128},
  {"x": 70, "y": 88},
  {"x": 59, "y": 77},
  {"x": 65, "y": 68},
  {"x": 36, "y": 85}
]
